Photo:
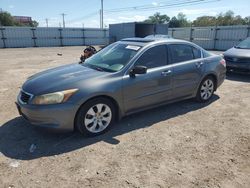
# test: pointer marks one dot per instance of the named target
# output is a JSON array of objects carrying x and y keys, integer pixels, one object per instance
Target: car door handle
[
  {"x": 199, "y": 64},
  {"x": 165, "y": 73}
]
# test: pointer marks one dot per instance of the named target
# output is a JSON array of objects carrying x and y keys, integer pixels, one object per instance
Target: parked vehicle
[
  {"x": 238, "y": 57},
  {"x": 125, "y": 77}
]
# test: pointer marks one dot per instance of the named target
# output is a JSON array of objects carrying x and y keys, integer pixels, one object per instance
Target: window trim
[{"x": 130, "y": 65}]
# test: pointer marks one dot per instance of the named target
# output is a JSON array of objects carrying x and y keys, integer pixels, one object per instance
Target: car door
[
  {"x": 151, "y": 88},
  {"x": 187, "y": 69}
]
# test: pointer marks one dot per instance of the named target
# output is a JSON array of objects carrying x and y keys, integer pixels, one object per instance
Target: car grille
[
  {"x": 25, "y": 97},
  {"x": 237, "y": 60}
]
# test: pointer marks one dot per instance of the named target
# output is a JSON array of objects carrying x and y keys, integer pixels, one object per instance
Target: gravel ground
[{"x": 185, "y": 144}]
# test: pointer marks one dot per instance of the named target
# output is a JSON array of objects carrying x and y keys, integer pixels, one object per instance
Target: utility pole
[
  {"x": 101, "y": 14},
  {"x": 1, "y": 11},
  {"x": 63, "y": 19},
  {"x": 47, "y": 22}
]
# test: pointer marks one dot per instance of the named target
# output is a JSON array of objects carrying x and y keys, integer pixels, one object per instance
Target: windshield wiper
[
  {"x": 102, "y": 69},
  {"x": 93, "y": 67},
  {"x": 98, "y": 68}
]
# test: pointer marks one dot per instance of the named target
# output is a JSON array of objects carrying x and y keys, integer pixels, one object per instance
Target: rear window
[
  {"x": 197, "y": 53},
  {"x": 206, "y": 54}
]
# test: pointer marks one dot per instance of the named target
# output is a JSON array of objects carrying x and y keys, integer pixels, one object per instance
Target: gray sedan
[
  {"x": 238, "y": 57},
  {"x": 125, "y": 77}
]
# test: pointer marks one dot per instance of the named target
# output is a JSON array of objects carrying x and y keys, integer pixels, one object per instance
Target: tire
[
  {"x": 95, "y": 117},
  {"x": 206, "y": 89}
]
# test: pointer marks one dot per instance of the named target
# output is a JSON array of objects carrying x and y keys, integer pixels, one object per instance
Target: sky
[{"x": 85, "y": 13}]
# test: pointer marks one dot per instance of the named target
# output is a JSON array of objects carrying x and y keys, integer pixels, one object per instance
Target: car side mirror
[{"x": 138, "y": 70}]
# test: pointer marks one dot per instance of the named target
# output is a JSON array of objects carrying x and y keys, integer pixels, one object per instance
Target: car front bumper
[{"x": 58, "y": 116}]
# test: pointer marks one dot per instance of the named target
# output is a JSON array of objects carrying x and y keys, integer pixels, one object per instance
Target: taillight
[{"x": 223, "y": 62}]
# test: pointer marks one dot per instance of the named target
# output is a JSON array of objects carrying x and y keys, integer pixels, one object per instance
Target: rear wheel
[
  {"x": 206, "y": 89},
  {"x": 95, "y": 117}
]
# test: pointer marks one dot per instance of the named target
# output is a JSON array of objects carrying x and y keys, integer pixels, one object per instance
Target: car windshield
[
  {"x": 245, "y": 44},
  {"x": 112, "y": 58}
]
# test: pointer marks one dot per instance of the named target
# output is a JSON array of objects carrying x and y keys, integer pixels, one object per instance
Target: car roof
[{"x": 149, "y": 41}]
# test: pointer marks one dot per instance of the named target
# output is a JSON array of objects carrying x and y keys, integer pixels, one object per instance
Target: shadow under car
[{"x": 17, "y": 135}]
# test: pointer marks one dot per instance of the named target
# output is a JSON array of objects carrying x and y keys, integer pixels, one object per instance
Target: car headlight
[{"x": 54, "y": 98}]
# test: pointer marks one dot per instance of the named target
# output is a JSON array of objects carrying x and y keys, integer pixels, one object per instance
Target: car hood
[
  {"x": 236, "y": 52},
  {"x": 60, "y": 78}
]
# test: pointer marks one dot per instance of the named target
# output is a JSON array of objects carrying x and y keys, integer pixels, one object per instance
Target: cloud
[
  {"x": 135, "y": 18},
  {"x": 196, "y": 12},
  {"x": 110, "y": 20},
  {"x": 11, "y": 6},
  {"x": 113, "y": 20},
  {"x": 193, "y": 13},
  {"x": 155, "y": 3},
  {"x": 75, "y": 24}
]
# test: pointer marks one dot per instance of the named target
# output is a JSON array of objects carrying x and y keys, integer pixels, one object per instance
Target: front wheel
[
  {"x": 206, "y": 89},
  {"x": 95, "y": 117}
]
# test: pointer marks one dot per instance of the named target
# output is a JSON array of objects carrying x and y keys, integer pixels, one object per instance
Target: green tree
[
  {"x": 33, "y": 23},
  {"x": 7, "y": 20},
  {"x": 157, "y": 18},
  {"x": 183, "y": 20},
  {"x": 223, "y": 19},
  {"x": 179, "y": 21},
  {"x": 238, "y": 20},
  {"x": 174, "y": 22},
  {"x": 204, "y": 21}
]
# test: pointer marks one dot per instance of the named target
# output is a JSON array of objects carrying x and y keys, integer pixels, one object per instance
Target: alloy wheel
[
  {"x": 97, "y": 118},
  {"x": 207, "y": 89}
]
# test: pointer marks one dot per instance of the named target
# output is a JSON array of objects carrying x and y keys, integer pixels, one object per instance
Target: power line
[
  {"x": 95, "y": 13},
  {"x": 162, "y": 5},
  {"x": 145, "y": 7},
  {"x": 83, "y": 17},
  {"x": 100, "y": 12},
  {"x": 140, "y": 6}
]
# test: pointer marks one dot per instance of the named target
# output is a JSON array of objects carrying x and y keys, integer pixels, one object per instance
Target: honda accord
[{"x": 128, "y": 76}]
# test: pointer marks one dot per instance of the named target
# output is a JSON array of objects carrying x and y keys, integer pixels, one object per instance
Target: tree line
[
  {"x": 222, "y": 19},
  {"x": 6, "y": 19}
]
